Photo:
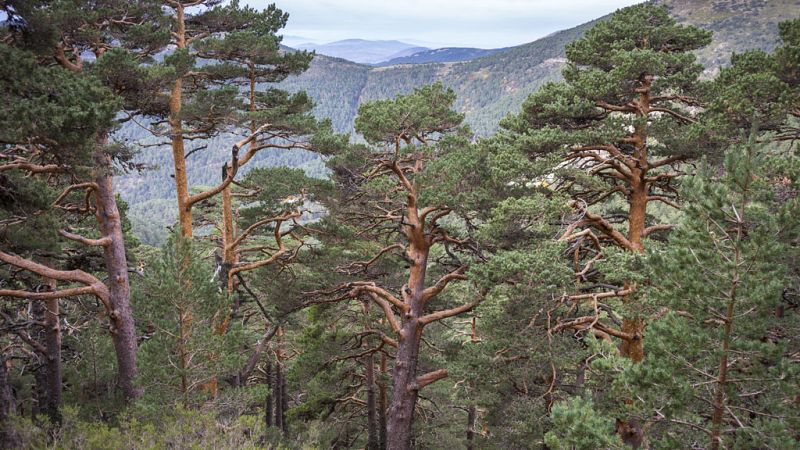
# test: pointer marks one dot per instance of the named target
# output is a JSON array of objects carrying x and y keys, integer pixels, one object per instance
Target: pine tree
[
  {"x": 203, "y": 100},
  {"x": 725, "y": 275},
  {"x": 64, "y": 32},
  {"x": 254, "y": 54},
  {"x": 722, "y": 280},
  {"x": 49, "y": 128},
  {"x": 383, "y": 194},
  {"x": 509, "y": 365},
  {"x": 620, "y": 123},
  {"x": 758, "y": 90},
  {"x": 179, "y": 303}
]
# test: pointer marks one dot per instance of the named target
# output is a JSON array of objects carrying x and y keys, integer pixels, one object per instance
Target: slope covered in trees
[
  {"x": 440, "y": 55},
  {"x": 615, "y": 267},
  {"x": 487, "y": 89}
]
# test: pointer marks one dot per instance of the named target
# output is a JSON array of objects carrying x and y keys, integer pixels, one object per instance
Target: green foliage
[
  {"x": 730, "y": 251},
  {"x": 426, "y": 111},
  {"x": 179, "y": 303},
  {"x": 719, "y": 292},
  {"x": 88, "y": 23},
  {"x": 758, "y": 90},
  {"x": 281, "y": 188},
  {"x": 177, "y": 428},
  {"x": 64, "y": 111},
  {"x": 24, "y": 198},
  {"x": 577, "y": 425}
]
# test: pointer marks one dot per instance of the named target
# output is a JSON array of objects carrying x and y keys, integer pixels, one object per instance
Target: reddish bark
[
  {"x": 176, "y": 133},
  {"x": 123, "y": 331},
  {"x": 117, "y": 295}
]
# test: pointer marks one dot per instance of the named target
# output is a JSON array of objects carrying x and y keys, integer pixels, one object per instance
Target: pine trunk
[
  {"x": 284, "y": 402},
  {"x": 405, "y": 389},
  {"x": 373, "y": 440},
  {"x": 179, "y": 160},
  {"x": 39, "y": 394},
  {"x": 630, "y": 431},
  {"x": 53, "y": 358},
  {"x": 471, "y": 417},
  {"x": 637, "y": 213},
  {"x": 268, "y": 412},
  {"x": 176, "y": 136},
  {"x": 383, "y": 403},
  {"x": 228, "y": 252},
  {"x": 722, "y": 377},
  {"x": 51, "y": 388},
  {"x": 404, "y": 393},
  {"x": 633, "y": 349},
  {"x": 123, "y": 331}
]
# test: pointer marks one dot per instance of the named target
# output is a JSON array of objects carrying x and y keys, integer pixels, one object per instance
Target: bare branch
[
  {"x": 75, "y": 187},
  {"x": 62, "y": 59},
  {"x": 254, "y": 226},
  {"x": 231, "y": 171},
  {"x": 655, "y": 228},
  {"x": 32, "y": 168},
  {"x": 365, "y": 286},
  {"x": 599, "y": 296},
  {"x": 439, "y": 315},
  {"x": 667, "y": 161},
  {"x": 265, "y": 262},
  {"x": 244, "y": 374},
  {"x": 387, "y": 311},
  {"x": 102, "y": 242},
  {"x": 428, "y": 378},
  {"x": 674, "y": 114},
  {"x": 665, "y": 200},
  {"x": 606, "y": 228},
  {"x": 434, "y": 290},
  {"x": 64, "y": 293},
  {"x": 93, "y": 284}
]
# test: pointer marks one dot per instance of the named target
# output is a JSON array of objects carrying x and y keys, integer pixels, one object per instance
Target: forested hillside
[
  {"x": 490, "y": 87},
  {"x": 591, "y": 241},
  {"x": 440, "y": 55},
  {"x": 487, "y": 89}
]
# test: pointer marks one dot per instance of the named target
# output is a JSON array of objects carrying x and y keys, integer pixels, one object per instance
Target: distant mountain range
[
  {"x": 363, "y": 51},
  {"x": 488, "y": 88},
  {"x": 390, "y": 53}
]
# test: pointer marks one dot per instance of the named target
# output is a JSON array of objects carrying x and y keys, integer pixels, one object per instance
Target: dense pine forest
[{"x": 591, "y": 241}]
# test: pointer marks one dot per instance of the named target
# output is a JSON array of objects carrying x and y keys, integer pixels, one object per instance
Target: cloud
[{"x": 475, "y": 23}]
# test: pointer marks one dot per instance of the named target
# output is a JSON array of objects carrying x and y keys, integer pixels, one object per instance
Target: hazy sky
[{"x": 437, "y": 23}]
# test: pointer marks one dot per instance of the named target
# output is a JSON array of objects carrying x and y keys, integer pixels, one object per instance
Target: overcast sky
[{"x": 437, "y": 23}]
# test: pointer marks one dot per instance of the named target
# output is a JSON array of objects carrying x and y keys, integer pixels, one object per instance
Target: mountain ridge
[{"x": 361, "y": 50}]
